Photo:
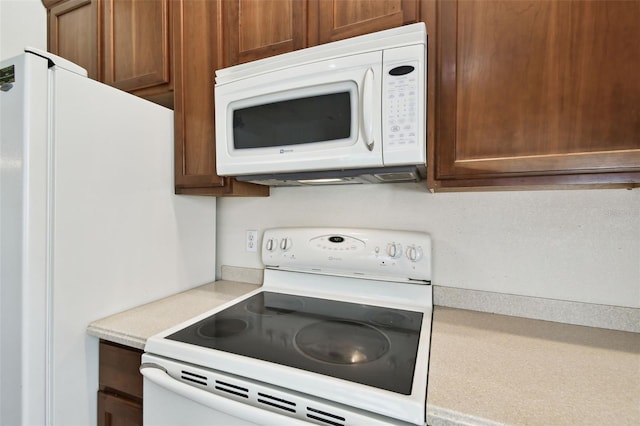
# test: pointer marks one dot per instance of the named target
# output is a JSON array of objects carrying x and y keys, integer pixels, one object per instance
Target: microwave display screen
[{"x": 299, "y": 121}]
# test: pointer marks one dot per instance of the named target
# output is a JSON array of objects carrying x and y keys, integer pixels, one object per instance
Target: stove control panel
[{"x": 375, "y": 253}]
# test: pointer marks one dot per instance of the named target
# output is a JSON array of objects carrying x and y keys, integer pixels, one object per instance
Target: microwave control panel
[
  {"x": 402, "y": 117},
  {"x": 404, "y": 95}
]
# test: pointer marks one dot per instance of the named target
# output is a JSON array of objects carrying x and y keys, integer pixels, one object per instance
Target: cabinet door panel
[
  {"x": 115, "y": 411},
  {"x": 73, "y": 33},
  {"x": 120, "y": 394},
  {"x": 195, "y": 45},
  {"x": 136, "y": 43},
  {"x": 255, "y": 29},
  {"x": 197, "y": 53},
  {"x": 119, "y": 369},
  {"x": 340, "y": 19},
  {"x": 537, "y": 88}
]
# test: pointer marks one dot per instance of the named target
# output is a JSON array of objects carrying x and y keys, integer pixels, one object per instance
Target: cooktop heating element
[{"x": 343, "y": 318}]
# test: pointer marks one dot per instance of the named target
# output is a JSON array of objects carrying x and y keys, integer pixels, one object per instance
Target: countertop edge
[{"x": 111, "y": 336}]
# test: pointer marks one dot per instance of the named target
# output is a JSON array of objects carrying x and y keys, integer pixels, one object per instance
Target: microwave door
[{"x": 320, "y": 116}]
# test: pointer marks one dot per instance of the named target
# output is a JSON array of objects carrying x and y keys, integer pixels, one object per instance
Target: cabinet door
[
  {"x": 196, "y": 50},
  {"x": 255, "y": 29},
  {"x": 116, "y": 411},
  {"x": 73, "y": 33},
  {"x": 120, "y": 393},
  {"x": 331, "y": 20},
  {"x": 537, "y": 92},
  {"x": 137, "y": 46},
  {"x": 119, "y": 369},
  {"x": 195, "y": 23}
]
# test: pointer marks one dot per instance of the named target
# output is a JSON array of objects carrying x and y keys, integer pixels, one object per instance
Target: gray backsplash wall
[{"x": 575, "y": 245}]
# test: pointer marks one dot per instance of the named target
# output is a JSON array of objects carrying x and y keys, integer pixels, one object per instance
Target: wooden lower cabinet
[
  {"x": 120, "y": 391},
  {"x": 116, "y": 411}
]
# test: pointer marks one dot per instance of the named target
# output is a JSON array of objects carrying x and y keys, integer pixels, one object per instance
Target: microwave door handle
[{"x": 367, "y": 107}]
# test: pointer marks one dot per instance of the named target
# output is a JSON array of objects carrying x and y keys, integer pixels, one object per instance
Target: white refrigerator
[{"x": 90, "y": 226}]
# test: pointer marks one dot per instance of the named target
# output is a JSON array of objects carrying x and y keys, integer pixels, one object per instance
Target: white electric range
[{"x": 338, "y": 334}]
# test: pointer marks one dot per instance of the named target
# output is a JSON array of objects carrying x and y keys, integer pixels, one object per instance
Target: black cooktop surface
[{"x": 366, "y": 344}]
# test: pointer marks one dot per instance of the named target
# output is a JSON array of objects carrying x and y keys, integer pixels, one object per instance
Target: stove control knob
[
  {"x": 285, "y": 244},
  {"x": 271, "y": 244},
  {"x": 414, "y": 253},
  {"x": 394, "y": 250}
]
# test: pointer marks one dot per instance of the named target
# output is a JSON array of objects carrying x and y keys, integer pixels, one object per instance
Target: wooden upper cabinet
[
  {"x": 124, "y": 43},
  {"x": 537, "y": 92},
  {"x": 73, "y": 32},
  {"x": 137, "y": 47},
  {"x": 331, "y": 20},
  {"x": 195, "y": 44},
  {"x": 255, "y": 29},
  {"x": 197, "y": 56}
]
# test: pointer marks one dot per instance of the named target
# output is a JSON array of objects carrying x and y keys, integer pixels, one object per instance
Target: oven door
[
  {"x": 179, "y": 393},
  {"x": 170, "y": 402},
  {"x": 323, "y": 115}
]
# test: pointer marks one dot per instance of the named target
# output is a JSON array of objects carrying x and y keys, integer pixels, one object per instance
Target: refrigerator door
[
  {"x": 23, "y": 232},
  {"x": 87, "y": 182}
]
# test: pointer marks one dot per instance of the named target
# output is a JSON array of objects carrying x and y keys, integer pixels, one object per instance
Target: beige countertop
[
  {"x": 487, "y": 368},
  {"x": 133, "y": 327},
  {"x": 484, "y": 368}
]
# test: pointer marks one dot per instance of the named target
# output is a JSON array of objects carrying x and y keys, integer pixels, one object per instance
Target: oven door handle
[{"x": 159, "y": 376}]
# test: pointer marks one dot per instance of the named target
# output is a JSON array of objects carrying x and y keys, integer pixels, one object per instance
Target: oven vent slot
[
  {"x": 193, "y": 377},
  {"x": 232, "y": 389},
  {"x": 275, "y": 402},
  {"x": 324, "y": 417}
]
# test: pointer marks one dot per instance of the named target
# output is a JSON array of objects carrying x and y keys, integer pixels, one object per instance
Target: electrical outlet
[{"x": 251, "y": 241}]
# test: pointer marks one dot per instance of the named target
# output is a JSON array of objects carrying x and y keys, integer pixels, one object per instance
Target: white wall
[
  {"x": 577, "y": 245},
  {"x": 22, "y": 23}
]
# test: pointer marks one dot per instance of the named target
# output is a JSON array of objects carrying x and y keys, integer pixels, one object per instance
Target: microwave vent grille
[{"x": 336, "y": 177}]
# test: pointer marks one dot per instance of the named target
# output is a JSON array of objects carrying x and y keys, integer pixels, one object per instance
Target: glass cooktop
[{"x": 366, "y": 344}]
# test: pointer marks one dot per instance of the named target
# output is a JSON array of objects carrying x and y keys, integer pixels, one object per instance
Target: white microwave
[{"x": 351, "y": 111}]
